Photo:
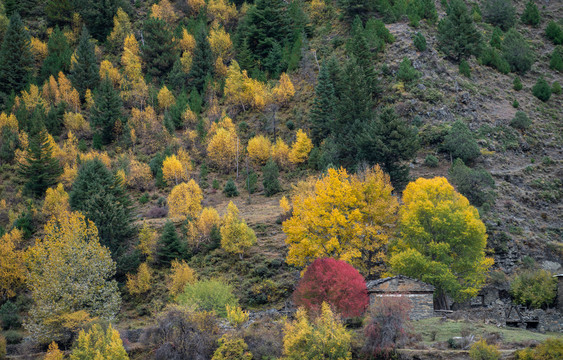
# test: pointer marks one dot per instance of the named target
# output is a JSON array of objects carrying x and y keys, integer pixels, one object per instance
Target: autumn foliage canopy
[{"x": 334, "y": 282}]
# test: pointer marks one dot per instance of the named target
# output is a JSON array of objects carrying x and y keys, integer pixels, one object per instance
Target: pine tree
[
  {"x": 98, "y": 15},
  {"x": 40, "y": 169},
  {"x": 556, "y": 61},
  {"x": 16, "y": 60},
  {"x": 99, "y": 195},
  {"x": 202, "y": 65},
  {"x": 170, "y": 247},
  {"x": 158, "y": 51},
  {"x": 531, "y": 14},
  {"x": 457, "y": 35},
  {"x": 541, "y": 89},
  {"x": 85, "y": 72},
  {"x": 59, "y": 12},
  {"x": 322, "y": 111},
  {"x": 59, "y": 55},
  {"x": 271, "y": 182},
  {"x": 460, "y": 143},
  {"x": 360, "y": 50},
  {"x": 106, "y": 111}
]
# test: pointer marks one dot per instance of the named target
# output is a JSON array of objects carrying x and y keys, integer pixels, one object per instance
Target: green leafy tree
[
  {"x": 476, "y": 184},
  {"x": 556, "y": 61},
  {"x": 202, "y": 66},
  {"x": 40, "y": 169},
  {"x": 499, "y": 13},
  {"x": 457, "y": 35},
  {"x": 541, "y": 89},
  {"x": 554, "y": 33},
  {"x": 531, "y": 14},
  {"x": 209, "y": 295},
  {"x": 517, "y": 84},
  {"x": 534, "y": 288},
  {"x": 517, "y": 52},
  {"x": 100, "y": 196},
  {"x": 464, "y": 68},
  {"x": 99, "y": 344},
  {"x": 442, "y": 240},
  {"x": 16, "y": 60},
  {"x": 59, "y": 54},
  {"x": 406, "y": 71},
  {"x": 158, "y": 51},
  {"x": 419, "y": 42},
  {"x": 460, "y": 143},
  {"x": 521, "y": 121},
  {"x": 85, "y": 72},
  {"x": 106, "y": 111},
  {"x": 271, "y": 182},
  {"x": 170, "y": 246}
]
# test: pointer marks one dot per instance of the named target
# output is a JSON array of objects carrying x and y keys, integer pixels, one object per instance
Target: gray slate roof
[{"x": 375, "y": 283}]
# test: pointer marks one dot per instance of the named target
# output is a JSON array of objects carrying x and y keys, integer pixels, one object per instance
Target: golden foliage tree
[
  {"x": 221, "y": 44},
  {"x": 181, "y": 274},
  {"x": 173, "y": 170},
  {"x": 259, "y": 149},
  {"x": 56, "y": 202},
  {"x": 149, "y": 131},
  {"x": 195, "y": 5},
  {"x": 107, "y": 69},
  {"x": 39, "y": 50},
  {"x": 139, "y": 283},
  {"x": 53, "y": 352},
  {"x": 148, "y": 240},
  {"x": 185, "y": 200},
  {"x": 187, "y": 42},
  {"x": 345, "y": 217},
  {"x": 284, "y": 90},
  {"x": 140, "y": 175},
  {"x": 236, "y": 236},
  {"x": 68, "y": 276},
  {"x": 9, "y": 122},
  {"x": 97, "y": 344},
  {"x": 301, "y": 148},
  {"x": 200, "y": 230},
  {"x": 280, "y": 153},
  {"x": 442, "y": 240},
  {"x": 134, "y": 88},
  {"x": 165, "y": 98},
  {"x": 32, "y": 99},
  {"x": 245, "y": 91},
  {"x": 12, "y": 269},
  {"x": 222, "y": 149},
  {"x": 323, "y": 338},
  {"x": 164, "y": 10},
  {"x": 121, "y": 29},
  {"x": 67, "y": 93},
  {"x": 221, "y": 12},
  {"x": 76, "y": 123}
]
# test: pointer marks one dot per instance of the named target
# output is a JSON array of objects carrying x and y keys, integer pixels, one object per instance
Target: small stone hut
[{"x": 420, "y": 294}]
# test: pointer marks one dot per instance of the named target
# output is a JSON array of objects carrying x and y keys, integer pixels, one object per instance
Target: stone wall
[
  {"x": 422, "y": 304},
  {"x": 560, "y": 293}
]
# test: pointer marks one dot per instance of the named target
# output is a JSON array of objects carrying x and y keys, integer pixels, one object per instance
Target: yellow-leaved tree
[
  {"x": 240, "y": 89},
  {"x": 69, "y": 276},
  {"x": 111, "y": 72},
  {"x": 181, "y": 274},
  {"x": 236, "y": 236},
  {"x": 200, "y": 232},
  {"x": 185, "y": 200},
  {"x": 222, "y": 146},
  {"x": 442, "y": 240},
  {"x": 173, "y": 171},
  {"x": 139, "y": 283},
  {"x": 148, "y": 240},
  {"x": 53, "y": 352},
  {"x": 221, "y": 44},
  {"x": 12, "y": 269},
  {"x": 301, "y": 148},
  {"x": 134, "y": 89},
  {"x": 121, "y": 29},
  {"x": 284, "y": 90},
  {"x": 99, "y": 344},
  {"x": 259, "y": 149},
  {"x": 56, "y": 202},
  {"x": 346, "y": 217},
  {"x": 221, "y": 12},
  {"x": 164, "y": 10},
  {"x": 140, "y": 175},
  {"x": 280, "y": 153},
  {"x": 165, "y": 98}
]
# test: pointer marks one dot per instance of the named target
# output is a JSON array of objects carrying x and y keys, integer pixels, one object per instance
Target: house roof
[{"x": 373, "y": 284}]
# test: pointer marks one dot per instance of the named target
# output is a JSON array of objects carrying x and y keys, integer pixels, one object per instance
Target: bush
[
  {"x": 183, "y": 334},
  {"x": 499, "y": 13},
  {"x": 551, "y": 349},
  {"x": 541, "y": 90},
  {"x": 231, "y": 348},
  {"x": 475, "y": 184},
  {"x": 517, "y": 84},
  {"x": 431, "y": 161},
  {"x": 460, "y": 143},
  {"x": 556, "y": 61},
  {"x": 265, "y": 339},
  {"x": 517, "y": 52},
  {"x": 554, "y": 33},
  {"x": 9, "y": 316},
  {"x": 251, "y": 180},
  {"x": 209, "y": 295},
  {"x": 230, "y": 189},
  {"x": 480, "y": 350},
  {"x": 271, "y": 183},
  {"x": 464, "y": 69},
  {"x": 534, "y": 288},
  {"x": 520, "y": 121},
  {"x": 13, "y": 337},
  {"x": 531, "y": 14},
  {"x": 492, "y": 57},
  {"x": 406, "y": 71},
  {"x": 419, "y": 42},
  {"x": 98, "y": 343},
  {"x": 496, "y": 38},
  {"x": 215, "y": 184},
  {"x": 515, "y": 104},
  {"x": 556, "y": 88},
  {"x": 387, "y": 326},
  {"x": 334, "y": 282}
]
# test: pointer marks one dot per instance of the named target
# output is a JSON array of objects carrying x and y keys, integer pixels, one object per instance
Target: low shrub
[
  {"x": 541, "y": 90},
  {"x": 520, "y": 121},
  {"x": 431, "y": 161},
  {"x": 209, "y": 295},
  {"x": 480, "y": 350},
  {"x": 230, "y": 189},
  {"x": 534, "y": 289}
]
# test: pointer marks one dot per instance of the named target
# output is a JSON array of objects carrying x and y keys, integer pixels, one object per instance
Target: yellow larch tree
[
  {"x": 185, "y": 160},
  {"x": 53, "y": 352},
  {"x": 12, "y": 268},
  {"x": 139, "y": 283},
  {"x": 164, "y": 10},
  {"x": 236, "y": 236},
  {"x": 32, "y": 99},
  {"x": 187, "y": 42},
  {"x": 181, "y": 274},
  {"x": 259, "y": 149},
  {"x": 221, "y": 44},
  {"x": 221, "y": 12},
  {"x": 280, "y": 153},
  {"x": 67, "y": 93},
  {"x": 70, "y": 172},
  {"x": 200, "y": 230},
  {"x": 149, "y": 130},
  {"x": 107, "y": 69},
  {"x": 185, "y": 200},
  {"x": 195, "y": 5},
  {"x": 99, "y": 344},
  {"x": 221, "y": 149},
  {"x": 173, "y": 171},
  {"x": 76, "y": 123},
  {"x": 9, "y": 122},
  {"x": 301, "y": 148},
  {"x": 121, "y": 29},
  {"x": 345, "y": 217},
  {"x": 50, "y": 90},
  {"x": 69, "y": 149},
  {"x": 284, "y": 90},
  {"x": 39, "y": 50},
  {"x": 165, "y": 98},
  {"x": 56, "y": 202},
  {"x": 134, "y": 88},
  {"x": 148, "y": 239},
  {"x": 140, "y": 175}
]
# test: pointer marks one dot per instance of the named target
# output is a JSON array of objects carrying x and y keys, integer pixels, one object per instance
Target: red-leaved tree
[{"x": 334, "y": 282}]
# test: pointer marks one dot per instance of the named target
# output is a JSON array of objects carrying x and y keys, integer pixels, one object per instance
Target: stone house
[{"x": 420, "y": 294}]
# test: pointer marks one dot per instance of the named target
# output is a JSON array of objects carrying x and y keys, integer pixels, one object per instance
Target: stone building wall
[{"x": 422, "y": 305}]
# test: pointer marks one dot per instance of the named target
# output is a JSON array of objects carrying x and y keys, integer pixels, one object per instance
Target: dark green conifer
[
  {"x": 40, "y": 169},
  {"x": 496, "y": 38},
  {"x": 158, "y": 52},
  {"x": 517, "y": 84},
  {"x": 531, "y": 14},
  {"x": 59, "y": 55},
  {"x": 541, "y": 89},
  {"x": 85, "y": 73},
  {"x": 457, "y": 35},
  {"x": 230, "y": 189},
  {"x": 322, "y": 111},
  {"x": 499, "y": 13},
  {"x": 271, "y": 182},
  {"x": 98, "y": 15},
  {"x": 517, "y": 52},
  {"x": 106, "y": 111},
  {"x": 16, "y": 60},
  {"x": 170, "y": 245},
  {"x": 59, "y": 12},
  {"x": 460, "y": 143},
  {"x": 202, "y": 64},
  {"x": 556, "y": 61}
]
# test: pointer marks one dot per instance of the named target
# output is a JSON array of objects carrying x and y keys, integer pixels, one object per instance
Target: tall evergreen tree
[
  {"x": 359, "y": 48},
  {"x": 106, "y": 111},
  {"x": 98, "y": 16},
  {"x": 85, "y": 72},
  {"x": 322, "y": 111},
  {"x": 159, "y": 53},
  {"x": 202, "y": 64},
  {"x": 457, "y": 35},
  {"x": 16, "y": 60},
  {"x": 59, "y": 55},
  {"x": 59, "y": 12},
  {"x": 40, "y": 169},
  {"x": 531, "y": 14},
  {"x": 271, "y": 182},
  {"x": 100, "y": 196},
  {"x": 170, "y": 246}
]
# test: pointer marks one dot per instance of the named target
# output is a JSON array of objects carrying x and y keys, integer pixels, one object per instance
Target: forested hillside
[{"x": 218, "y": 179}]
